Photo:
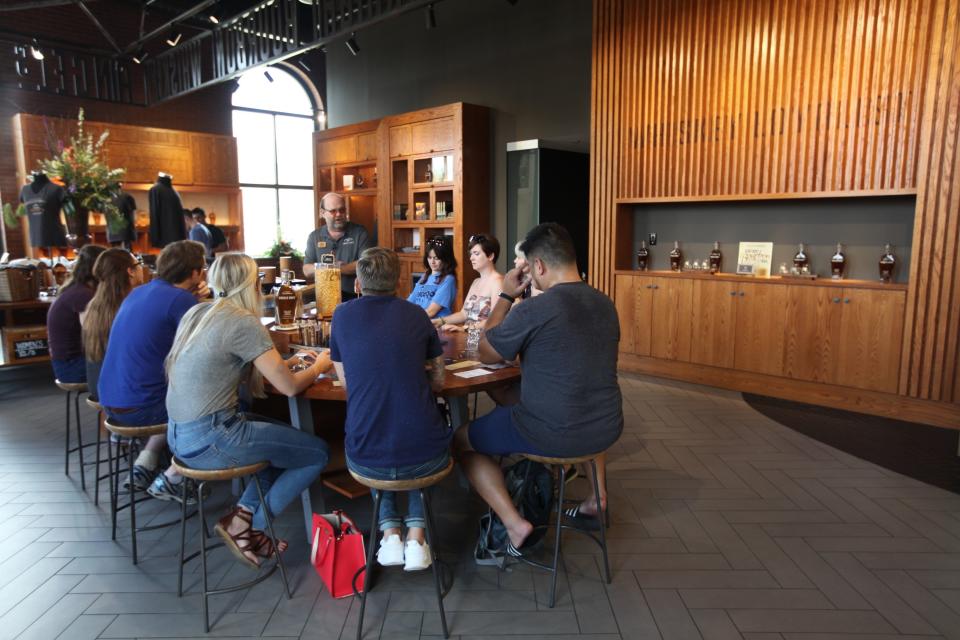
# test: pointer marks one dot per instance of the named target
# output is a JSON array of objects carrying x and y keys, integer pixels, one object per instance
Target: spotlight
[
  {"x": 35, "y": 50},
  {"x": 352, "y": 45},
  {"x": 430, "y": 18},
  {"x": 303, "y": 65},
  {"x": 216, "y": 15},
  {"x": 268, "y": 76},
  {"x": 140, "y": 56},
  {"x": 173, "y": 38}
]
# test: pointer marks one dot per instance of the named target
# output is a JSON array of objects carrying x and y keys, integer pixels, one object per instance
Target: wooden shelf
[
  {"x": 731, "y": 277},
  {"x": 431, "y": 224},
  {"x": 444, "y": 186},
  {"x": 360, "y": 192}
]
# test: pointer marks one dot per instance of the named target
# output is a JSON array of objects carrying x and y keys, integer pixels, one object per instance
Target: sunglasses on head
[{"x": 476, "y": 238}]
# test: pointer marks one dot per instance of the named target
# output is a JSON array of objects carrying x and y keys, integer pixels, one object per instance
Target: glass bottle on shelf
[
  {"x": 642, "y": 255},
  {"x": 800, "y": 259},
  {"x": 838, "y": 263},
  {"x": 716, "y": 258},
  {"x": 887, "y": 263},
  {"x": 286, "y": 303},
  {"x": 676, "y": 256},
  {"x": 428, "y": 174}
]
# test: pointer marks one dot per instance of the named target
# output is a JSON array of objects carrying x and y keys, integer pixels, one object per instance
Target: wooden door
[
  {"x": 643, "y": 314},
  {"x": 761, "y": 324},
  {"x": 625, "y": 300},
  {"x": 713, "y": 330},
  {"x": 813, "y": 333},
  {"x": 367, "y": 146},
  {"x": 400, "y": 141},
  {"x": 672, "y": 319},
  {"x": 336, "y": 150},
  {"x": 432, "y": 135},
  {"x": 871, "y": 331}
]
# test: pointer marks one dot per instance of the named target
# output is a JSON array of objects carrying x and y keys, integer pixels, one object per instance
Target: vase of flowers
[{"x": 88, "y": 183}]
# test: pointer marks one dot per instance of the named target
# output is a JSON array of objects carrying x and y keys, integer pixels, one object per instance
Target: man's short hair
[
  {"x": 180, "y": 259},
  {"x": 378, "y": 270},
  {"x": 198, "y": 213},
  {"x": 551, "y": 243}
]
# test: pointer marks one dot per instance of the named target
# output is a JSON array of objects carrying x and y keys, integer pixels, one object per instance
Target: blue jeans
[
  {"x": 72, "y": 370},
  {"x": 230, "y": 438},
  {"x": 389, "y": 518}
]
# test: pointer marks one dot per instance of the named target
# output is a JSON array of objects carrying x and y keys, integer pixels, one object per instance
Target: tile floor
[{"x": 726, "y": 525}]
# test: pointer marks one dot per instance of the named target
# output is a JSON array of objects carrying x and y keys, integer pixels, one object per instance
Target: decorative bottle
[
  {"x": 642, "y": 255},
  {"x": 838, "y": 263},
  {"x": 716, "y": 258},
  {"x": 286, "y": 303},
  {"x": 428, "y": 174},
  {"x": 800, "y": 259},
  {"x": 887, "y": 264},
  {"x": 676, "y": 257}
]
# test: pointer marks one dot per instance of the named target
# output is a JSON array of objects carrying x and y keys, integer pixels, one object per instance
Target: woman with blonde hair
[{"x": 218, "y": 346}]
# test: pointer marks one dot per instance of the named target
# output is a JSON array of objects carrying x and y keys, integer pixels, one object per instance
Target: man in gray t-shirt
[
  {"x": 570, "y": 403},
  {"x": 345, "y": 240}
]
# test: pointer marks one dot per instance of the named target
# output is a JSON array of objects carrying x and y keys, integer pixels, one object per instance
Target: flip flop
[
  {"x": 575, "y": 518},
  {"x": 512, "y": 551}
]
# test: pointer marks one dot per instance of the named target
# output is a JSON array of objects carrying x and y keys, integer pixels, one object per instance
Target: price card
[{"x": 473, "y": 373}]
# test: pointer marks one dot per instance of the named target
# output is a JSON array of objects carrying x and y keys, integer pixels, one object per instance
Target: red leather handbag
[{"x": 338, "y": 553}]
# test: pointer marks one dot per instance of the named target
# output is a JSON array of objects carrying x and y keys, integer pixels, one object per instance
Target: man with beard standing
[{"x": 344, "y": 239}]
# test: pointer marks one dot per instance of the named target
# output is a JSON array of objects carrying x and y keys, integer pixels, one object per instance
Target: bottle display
[
  {"x": 838, "y": 263},
  {"x": 642, "y": 256},
  {"x": 286, "y": 303},
  {"x": 327, "y": 286},
  {"x": 888, "y": 263},
  {"x": 800, "y": 261},
  {"x": 716, "y": 258},
  {"x": 428, "y": 175},
  {"x": 676, "y": 257}
]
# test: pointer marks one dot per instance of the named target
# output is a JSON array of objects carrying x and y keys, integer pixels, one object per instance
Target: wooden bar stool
[
  {"x": 133, "y": 433},
  {"x": 73, "y": 389},
  {"x": 201, "y": 477},
  {"x": 561, "y": 464},
  {"x": 93, "y": 404},
  {"x": 419, "y": 484}
]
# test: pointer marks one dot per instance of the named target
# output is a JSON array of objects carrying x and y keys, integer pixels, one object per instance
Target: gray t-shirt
[
  {"x": 567, "y": 341},
  {"x": 347, "y": 248},
  {"x": 205, "y": 377}
]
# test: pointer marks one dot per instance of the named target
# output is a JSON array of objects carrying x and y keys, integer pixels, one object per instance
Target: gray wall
[
  {"x": 863, "y": 225},
  {"x": 529, "y": 62}
]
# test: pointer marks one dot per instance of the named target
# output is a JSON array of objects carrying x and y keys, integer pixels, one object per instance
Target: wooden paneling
[
  {"x": 367, "y": 146},
  {"x": 335, "y": 150},
  {"x": 214, "y": 160},
  {"x": 761, "y": 327},
  {"x": 625, "y": 298},
  {"x": 643, "y": 313},
  {"x": 871, "y": 331},
  {"x": 713, "y": 334},
  {"x": 672, "y": 320},
  {"x": 813, "y": 333},
  {"x": 400, "y": 144},
  {"x": 930, "y": 361}
]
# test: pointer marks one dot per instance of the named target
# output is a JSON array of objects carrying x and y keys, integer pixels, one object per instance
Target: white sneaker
[
  {"x": 390, "y": 553},
  {"x": 418, "y": 556}
]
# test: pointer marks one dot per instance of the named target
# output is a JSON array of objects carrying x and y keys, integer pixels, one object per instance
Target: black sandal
[{"x": 580, "y": 520}]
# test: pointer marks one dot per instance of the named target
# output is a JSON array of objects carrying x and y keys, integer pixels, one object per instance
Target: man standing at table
[
  {"x": 344, "y": 239},
  {"x": 570, "y": 404}
]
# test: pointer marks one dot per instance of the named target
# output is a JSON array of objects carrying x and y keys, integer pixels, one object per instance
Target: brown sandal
[
  {"x": 262, "y": 545},
  {"x": 247, "y": 537}
]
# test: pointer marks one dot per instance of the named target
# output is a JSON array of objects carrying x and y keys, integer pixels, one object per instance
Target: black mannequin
[
  {"x": 42, "y": 200},
  {"x": 166, "y": 213}
]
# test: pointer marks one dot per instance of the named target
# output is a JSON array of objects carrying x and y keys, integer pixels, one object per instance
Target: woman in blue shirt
[{"x": 437, "y": 289}]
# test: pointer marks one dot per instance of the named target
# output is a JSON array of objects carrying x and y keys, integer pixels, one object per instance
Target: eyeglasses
[{"x": 337, "y": 210}]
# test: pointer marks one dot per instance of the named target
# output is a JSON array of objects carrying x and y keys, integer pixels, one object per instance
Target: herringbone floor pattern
[{"x": 726, "y": 525}]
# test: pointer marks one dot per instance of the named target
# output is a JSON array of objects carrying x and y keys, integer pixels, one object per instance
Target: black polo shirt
[{"x": 346, "y": 249}]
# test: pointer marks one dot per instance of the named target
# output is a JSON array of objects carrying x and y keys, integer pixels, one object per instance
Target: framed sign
[{"x": 755, "y": 259}]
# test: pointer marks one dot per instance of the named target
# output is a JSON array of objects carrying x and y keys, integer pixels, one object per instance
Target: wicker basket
[{"x": 18, "y": 284}]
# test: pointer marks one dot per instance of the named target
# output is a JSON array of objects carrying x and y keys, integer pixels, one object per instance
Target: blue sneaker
[
  {"x": 142, "y": 478},
  {"x": 163, "y": 489}
]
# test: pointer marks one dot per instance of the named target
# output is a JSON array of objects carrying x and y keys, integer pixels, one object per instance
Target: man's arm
[
  {"x": 513, "y": 284},
  {"x": 438, "y": 373}
]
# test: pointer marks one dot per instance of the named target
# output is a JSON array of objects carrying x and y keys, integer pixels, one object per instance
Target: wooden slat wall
[
  {"x": 931, "y": 354},
  {"x": 605, "y": 137}
]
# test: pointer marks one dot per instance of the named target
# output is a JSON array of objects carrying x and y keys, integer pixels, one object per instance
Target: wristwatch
[{"x": 507, "y": 297}]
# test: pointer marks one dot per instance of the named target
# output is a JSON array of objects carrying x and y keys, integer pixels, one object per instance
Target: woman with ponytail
[{"x": 218, "y": 346}]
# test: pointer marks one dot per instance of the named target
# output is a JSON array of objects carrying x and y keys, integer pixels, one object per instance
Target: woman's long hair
[
  {"x": 442, "y": 246},
  {"x": 233, "y": 279},
  {"x": 83, "y": 267},
  {"x": 112, "y": 271}
]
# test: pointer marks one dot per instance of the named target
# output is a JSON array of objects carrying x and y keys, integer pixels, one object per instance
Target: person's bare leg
[
  {"x": 486, "y": 477},
  {"x": 589, "y": 506},
  {"x": 416, "y": 534}
]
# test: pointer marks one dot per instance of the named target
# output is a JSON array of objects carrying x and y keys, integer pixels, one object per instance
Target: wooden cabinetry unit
[{"x": 817, "y": 332}]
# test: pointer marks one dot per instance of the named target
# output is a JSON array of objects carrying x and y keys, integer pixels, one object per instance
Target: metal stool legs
[
  {"x": 66, "y": 444},
  {"x": 435, "y": 565},
  {"x": 368, "y": 573}
]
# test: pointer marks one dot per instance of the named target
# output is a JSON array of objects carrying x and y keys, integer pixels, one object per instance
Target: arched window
[{"x": 273, "y": 121}]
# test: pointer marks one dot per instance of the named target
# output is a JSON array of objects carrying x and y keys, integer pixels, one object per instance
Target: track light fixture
[
  {"x": 173, "y": 38},
  {"x": 35, "y": 50},
  {"x": 140, "y": 56},
  {"x": 430, "y": 18},
  {"x": 216, "y": 15},
  {"x": 352, "y": 45},
  {"x": 267, "y": 75},
  {"x": 303, "y": 65}
]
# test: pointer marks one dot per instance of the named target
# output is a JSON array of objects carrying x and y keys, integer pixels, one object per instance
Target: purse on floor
[{"x": 338, "y": 553}]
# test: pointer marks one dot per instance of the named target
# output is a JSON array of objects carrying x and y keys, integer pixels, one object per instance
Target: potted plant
[{"x": 88, "y": 183}]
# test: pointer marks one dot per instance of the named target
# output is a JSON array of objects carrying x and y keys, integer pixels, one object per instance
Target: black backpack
[{"x": 534, "y": 503}]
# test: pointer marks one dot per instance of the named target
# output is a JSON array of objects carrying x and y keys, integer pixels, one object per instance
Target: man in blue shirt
[
  {"x": 394, "y": 430},
  {"x": 198, "y": 232},
  {"x": 133, "y": 385}
]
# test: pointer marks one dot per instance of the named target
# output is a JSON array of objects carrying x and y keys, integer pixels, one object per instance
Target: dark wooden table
[{"x": 455, "y": 390}]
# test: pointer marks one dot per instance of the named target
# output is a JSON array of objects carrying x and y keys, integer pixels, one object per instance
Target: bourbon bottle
[
  {"x": 286, "y": 305},
  {"x": 800, "y": 259},
  {"x": 887, "y": 264},
  {"x": 838, "y": 263},
  {"x": 716, "y": 258},
  {"x": 642, "y": 255},
  {"x": 676, "y": 257}
]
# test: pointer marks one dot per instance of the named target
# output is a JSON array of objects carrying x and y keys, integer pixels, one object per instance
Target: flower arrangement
[
  {"x": 282, "y": 248},
  {"x": 89, "y": 184}
]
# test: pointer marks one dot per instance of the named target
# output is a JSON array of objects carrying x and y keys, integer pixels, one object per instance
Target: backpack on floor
[{"x": 534, "y": 504}]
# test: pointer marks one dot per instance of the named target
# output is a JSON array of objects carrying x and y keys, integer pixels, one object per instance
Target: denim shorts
[{"x": 496, "y": 434}]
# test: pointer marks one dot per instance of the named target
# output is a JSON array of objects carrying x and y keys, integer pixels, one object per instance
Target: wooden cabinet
[
  {"x": 400, "y": 144},
  {"x": 813, "y": 336},
  {"x": 871, "y": 330},
  {"x": 367, "y": 147},
  {"x": 335, "y": 150},
  {"x": 625, "y": 296},
  {"x": 712, "y": 334},
  {"x": 432, "y": 136},
  {"x": 672, "y": 317},
  {"x": 761, "y": 320}
]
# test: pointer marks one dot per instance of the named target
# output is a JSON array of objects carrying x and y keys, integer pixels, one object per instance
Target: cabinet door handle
[
  {"x": 836, "y": 299},
  {"x": 649, "y": 286},
  {"x": 742, "y": 294},
  {"x": 733, "y": 293},
  {"x": 846, "y": 301}
]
